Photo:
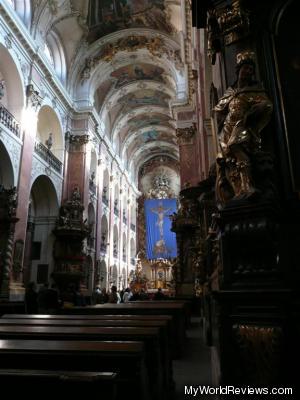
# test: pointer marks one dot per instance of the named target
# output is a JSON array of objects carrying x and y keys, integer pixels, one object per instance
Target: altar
[{"x": 161, "y": 274}]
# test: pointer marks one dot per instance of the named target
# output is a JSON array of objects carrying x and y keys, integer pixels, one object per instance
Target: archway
[
  {"x": 105, "y": 191},
  {"x": 132, "y": 252},
  {"x": 49, "y": 132},
  {"x": 115, "y": 242},
  {"x": 103, "y": 274},
  {"x": 113, "y": 276},
  {"x": 92, "y": 227},
  {"x": 13, "y": 96},
  {"x": 6, "y": 170},
  {"x": 88, "y": 273},
  {"x": 116, "y": 201},
  {"x": 42, "y": 214},
  {"x": 93, "y": 171},
  {"x": 123, "y": 281},
  {"x": 124, "y": 250},
  {"x": 104, "y": 236}
]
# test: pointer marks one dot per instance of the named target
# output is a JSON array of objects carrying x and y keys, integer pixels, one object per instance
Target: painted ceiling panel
[{"x": 108, "y": 16}]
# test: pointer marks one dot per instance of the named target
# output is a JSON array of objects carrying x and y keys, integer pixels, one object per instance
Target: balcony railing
[
  {"x": 48, "y": 156},
  {"x": 7, "y": 119},
  {"x": 132, "y": 227}
]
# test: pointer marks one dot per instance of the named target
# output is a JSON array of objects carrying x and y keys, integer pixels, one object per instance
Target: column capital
[{"x": 185, "y": 135}]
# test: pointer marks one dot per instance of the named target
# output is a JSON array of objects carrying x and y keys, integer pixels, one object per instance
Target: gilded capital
[
  {"x": 79, "y": 140},
  {"x": 185, "y": 135}
]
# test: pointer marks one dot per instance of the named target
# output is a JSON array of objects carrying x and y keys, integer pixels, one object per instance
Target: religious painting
[
  {"x": 136, "y": 72},
  {"x": 144, "y": 120},
  {"x": 160, "y": 240},
  {"x": 107, "y": 16},
  {"x": 152, "y": 135},
  {"x": 146, "y": 97}
]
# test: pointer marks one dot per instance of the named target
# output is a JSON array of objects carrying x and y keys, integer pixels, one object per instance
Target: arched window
[
  {"x": 49, "y": 54},
  {"x": 55, "y": 53},
  {"x": 23, "y": 9}
]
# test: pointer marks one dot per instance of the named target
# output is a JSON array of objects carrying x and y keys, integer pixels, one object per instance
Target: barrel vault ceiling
[{"x": 126, "y": 58}]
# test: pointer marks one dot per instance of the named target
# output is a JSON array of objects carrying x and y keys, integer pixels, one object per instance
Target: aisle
[{"x": 194, "y": 368}]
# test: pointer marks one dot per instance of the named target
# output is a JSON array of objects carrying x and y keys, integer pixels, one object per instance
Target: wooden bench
[
  {"x": 75, "y": 383},
  {"x": 163, "y": 322},
  {"x": 84, "y": 317},
  {"x": 127, "y": 358},
  {"x": 175, "y": 309},
  {"x": 157, "y": 366}
]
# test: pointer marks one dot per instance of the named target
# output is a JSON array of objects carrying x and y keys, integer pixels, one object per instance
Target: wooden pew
[
  {"x": 158, "y": 376},
  {"x": 163, "y": 322},
  {"x": 175, "y": 309},
  {"x": 125, "y": 358},
  {"x": 76, "y": 384},
  {"x": 166, "y": 318}
]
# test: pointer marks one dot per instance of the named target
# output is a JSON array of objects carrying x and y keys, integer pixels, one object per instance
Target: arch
[
  {"x": 115, "y": 241},
  {"x": 88, "y": 272},
  {"x": 133, "y": 214},
  {"x": 7, "y": 178},
  {"x": 133, "y": 135},
  {"x": 14, "y": 99},
  {"x": 44, "y": 196},
  {"x": 125, "y": 209},
  {"x": 42, "y": 213},
  {"x": 103, "y": 274},
  {"x": 48, "y": 122},
  {"x": 123, "y": 280},
  {"x": 56, "y": 48},
  {"x": 104, "y": 235},
  {"x": 105, "y": 189},
  {"x": 116, "y": 199},
  {"x": 93, "y": 163},
  {"x": 23, "y": 9},
  {"x": 92, "y": 225},
  {"x": 113, "y": 275},
  {"x": 132, "y": 251},
  {"x": 124, "y": 250}
]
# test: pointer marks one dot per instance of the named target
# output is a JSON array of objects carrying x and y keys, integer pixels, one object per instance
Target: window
[{"x": 49, "y": 55}]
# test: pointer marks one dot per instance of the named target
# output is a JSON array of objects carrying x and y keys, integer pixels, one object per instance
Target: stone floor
[{"x": 194, "y": 368}]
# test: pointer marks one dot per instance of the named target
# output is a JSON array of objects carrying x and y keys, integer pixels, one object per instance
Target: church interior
[{"x": 148, "y": 149}]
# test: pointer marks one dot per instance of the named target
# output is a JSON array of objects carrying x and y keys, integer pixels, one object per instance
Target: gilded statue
[{"x": 241, "y": 114}]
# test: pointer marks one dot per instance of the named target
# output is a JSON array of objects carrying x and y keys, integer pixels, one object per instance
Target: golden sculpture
[{"x": 242, "y": 113}]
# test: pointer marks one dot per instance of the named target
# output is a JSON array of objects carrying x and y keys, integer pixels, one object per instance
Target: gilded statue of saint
[{"x": 241, "y": 113}]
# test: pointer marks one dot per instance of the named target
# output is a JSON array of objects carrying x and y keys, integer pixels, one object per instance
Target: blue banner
[{"x": 161, "y": 242}]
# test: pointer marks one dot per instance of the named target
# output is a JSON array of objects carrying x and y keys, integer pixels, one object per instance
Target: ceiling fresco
[
  {"x": 136, "y": 72},
  {"x": 152, "y": 135},
  {"x": 127, "y": 65},
  {"x": 144, "y": 120},
  {"x": 144, "y": 98},
  {"x": 108, "y": 16}
]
